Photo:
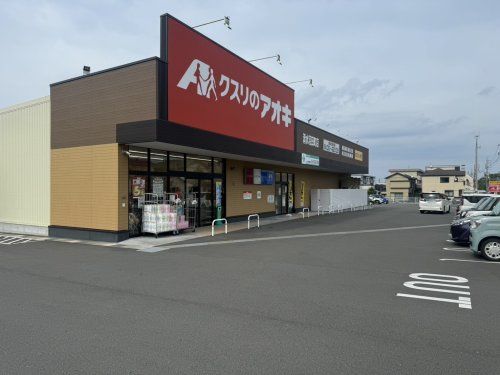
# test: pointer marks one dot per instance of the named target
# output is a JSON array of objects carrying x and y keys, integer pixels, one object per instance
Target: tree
[{"x": 371, "y": 191}]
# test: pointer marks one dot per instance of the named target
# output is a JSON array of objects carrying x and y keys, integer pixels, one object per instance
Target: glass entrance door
[
  {"x": 206, "y": 202},
  {"x": 201, "y": 190},
  {"x": 284, "y": 201}
]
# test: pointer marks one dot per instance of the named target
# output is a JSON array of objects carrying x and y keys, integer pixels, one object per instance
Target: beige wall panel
[
  {"x": 314, "y": 180},
  {"x": 433, "y": 184},
  {"x": 25, "y": 163},
  {"x": 86, "y": 182},
  {"x": 235, "y": 187},
  {"x": 85, "y": 111}
]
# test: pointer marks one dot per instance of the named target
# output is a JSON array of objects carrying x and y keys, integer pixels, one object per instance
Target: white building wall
[{"x": 25, "y": 167}]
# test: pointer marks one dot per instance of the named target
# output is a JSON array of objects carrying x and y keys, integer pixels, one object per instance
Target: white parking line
[
  {"x": 472, "y": 261},
  {"x": 455, "y": 249},
  {"x": 308, "y": 235},
  {"x": 13, "y": 240}
]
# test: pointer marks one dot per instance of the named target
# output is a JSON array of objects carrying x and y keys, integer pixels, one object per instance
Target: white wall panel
[{"x": 25, "y": 163}]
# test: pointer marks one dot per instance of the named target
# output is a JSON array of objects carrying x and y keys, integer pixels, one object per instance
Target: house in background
[
  {"x": 451, "y": 180},
  {"x": 365, "y": 181},
  {"x": 412, "y": 172},
  {"x": 401, "y": 186}
]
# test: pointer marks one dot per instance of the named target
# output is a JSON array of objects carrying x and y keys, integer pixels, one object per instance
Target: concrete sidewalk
[{"x": 149, "y": 240}]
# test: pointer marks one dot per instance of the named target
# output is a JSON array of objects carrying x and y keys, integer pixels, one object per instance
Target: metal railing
[
  {"x": 225, "y": 225},
  {"x": 303, "y": 212},
  {"x": 258, "y": 220}
]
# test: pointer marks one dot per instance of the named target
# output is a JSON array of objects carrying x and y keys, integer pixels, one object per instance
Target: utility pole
[
  {"x": 475, "y": 166},
  {"x": 487, "y": 173}
]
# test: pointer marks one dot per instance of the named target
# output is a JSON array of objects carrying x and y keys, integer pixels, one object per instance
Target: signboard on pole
[{"x": 494, "y": 187}]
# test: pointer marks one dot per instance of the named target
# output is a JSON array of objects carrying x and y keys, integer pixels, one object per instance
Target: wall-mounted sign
[
  {"x": 310, "y": 159},
  {"x": 348, "y": 152},
  {"x": 267, "y": 177},
  {"x": 247, "y": 195},
  {"x": 270, "y": 199},
  {"x": 314, "y": 141},
  {"x": 259, "y": 194},
  {"x": 331, "y": 147},
  {"x": 358, "y": 155},
  {"x": 254, "y": 176},
  {"x": 310, "y": 140},
  {"x": 212, "y": 89},
  {"x": 257, "y": 176}
]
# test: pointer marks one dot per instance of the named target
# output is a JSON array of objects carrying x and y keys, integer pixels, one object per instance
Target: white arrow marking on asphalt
[
  {"x": 463, "y": 302},
  {"x": 466, "y": 260}
]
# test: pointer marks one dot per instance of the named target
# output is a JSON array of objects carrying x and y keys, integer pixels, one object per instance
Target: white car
[
  {"x": 482, "y": 208},
  {"x": 434, "y": 202},
  {"x": 470, "y": 200}
]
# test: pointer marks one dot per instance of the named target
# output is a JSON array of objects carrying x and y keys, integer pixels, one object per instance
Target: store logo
[{"x": 202, "y": 76}]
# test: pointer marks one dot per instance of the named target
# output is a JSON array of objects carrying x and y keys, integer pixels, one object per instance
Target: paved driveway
[{"x": 317, "y": 296}]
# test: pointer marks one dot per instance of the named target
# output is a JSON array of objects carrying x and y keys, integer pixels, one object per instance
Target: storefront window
[
  {"x": 178, "y": 186},
  {"x": 176, "y": 162},
  {"x": 159, "y": 161},
  {"x": 277, "y": 177},
  {"x": 200, "y": 164},
  {"x": 218, "y": 165},
  {"x": 158, "y": 185},
  {"x": 138, "y": 159}
]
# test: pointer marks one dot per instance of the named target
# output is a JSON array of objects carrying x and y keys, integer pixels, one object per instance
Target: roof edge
[{"x": 105, "y": 70}]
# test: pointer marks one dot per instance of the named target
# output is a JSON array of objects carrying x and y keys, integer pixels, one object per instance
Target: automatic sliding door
[{"x": 206, "y": 202}]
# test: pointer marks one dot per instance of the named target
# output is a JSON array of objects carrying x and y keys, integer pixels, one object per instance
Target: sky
[{"x": 414, "y": 81}]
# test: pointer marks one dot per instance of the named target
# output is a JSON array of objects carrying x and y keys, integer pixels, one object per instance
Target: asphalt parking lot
[{"x": 346, "y": 293}]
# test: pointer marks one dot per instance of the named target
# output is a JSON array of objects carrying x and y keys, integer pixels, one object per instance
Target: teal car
[{"x": 485, "y": 235}]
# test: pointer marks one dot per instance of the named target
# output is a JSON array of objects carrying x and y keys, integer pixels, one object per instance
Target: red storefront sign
[
  {"x": 212, "y": 89},
  {"x": 494, "y": 189}
]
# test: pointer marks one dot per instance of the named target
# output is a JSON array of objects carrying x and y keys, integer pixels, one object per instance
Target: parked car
[
  {"x": 463, "y": 208},
  {"x": 378, "y": 199},
  {"x": 434, "y": 202},
  {"x": 460, "y": 228},
  {"x": 472, "y": 199},
  {"x": 485, "y": 235},
  {"x": 484, "y": 206}
]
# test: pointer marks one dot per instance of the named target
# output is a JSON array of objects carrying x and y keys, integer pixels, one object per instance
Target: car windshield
[
  {"x": 483, "y": 203},
  {"x": 430, "y": 196},
  {"x": 474, "y": 198},
  {"x": 496, "y": 210},
  {"x": 493, "y": 204}
]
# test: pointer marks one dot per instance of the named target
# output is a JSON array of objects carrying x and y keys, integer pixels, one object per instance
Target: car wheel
[{"x": 490, "y": 249}]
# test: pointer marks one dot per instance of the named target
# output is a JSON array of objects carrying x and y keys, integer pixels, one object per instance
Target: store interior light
[{"x": 198, "y": 158}]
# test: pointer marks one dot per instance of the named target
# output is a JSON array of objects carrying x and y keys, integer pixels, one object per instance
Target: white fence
[{"x": 339, "y": 199}]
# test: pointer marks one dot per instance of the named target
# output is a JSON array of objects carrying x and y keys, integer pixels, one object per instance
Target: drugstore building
[{"x": 198, "y": 121}]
